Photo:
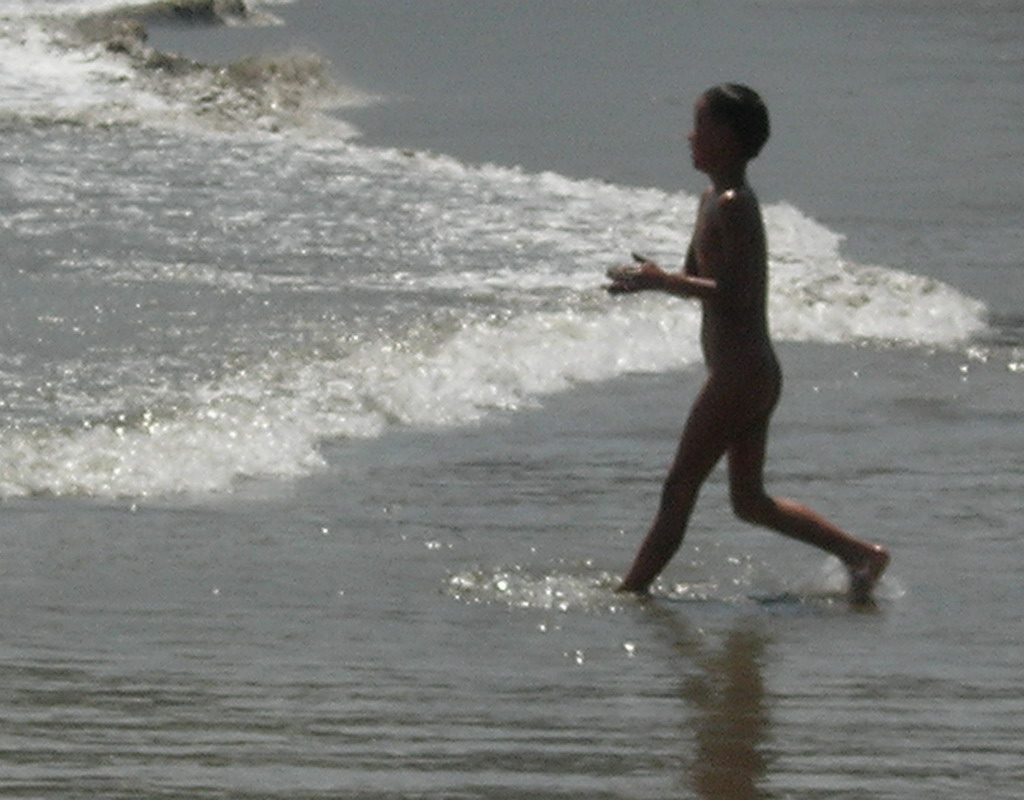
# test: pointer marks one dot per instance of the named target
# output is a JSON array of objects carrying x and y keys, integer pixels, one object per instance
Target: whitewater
[{"x": 233, "y": 279}]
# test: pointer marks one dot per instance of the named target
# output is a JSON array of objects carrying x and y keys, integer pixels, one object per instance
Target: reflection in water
[{"x": 732, "y": 720}]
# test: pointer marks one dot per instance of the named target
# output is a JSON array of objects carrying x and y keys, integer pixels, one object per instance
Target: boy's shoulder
[
  {"x": 737, "y": 197},
  {"x": 737, "y": 205}
]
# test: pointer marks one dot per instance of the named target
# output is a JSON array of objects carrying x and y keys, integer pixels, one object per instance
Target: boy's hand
[{"x": 629, "y": 278}]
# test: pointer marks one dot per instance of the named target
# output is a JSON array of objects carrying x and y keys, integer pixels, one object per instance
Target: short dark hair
[{"x": 743, "y": 110}]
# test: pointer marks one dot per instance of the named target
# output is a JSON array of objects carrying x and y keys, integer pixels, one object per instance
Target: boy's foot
[
  {"x": 639, "y": 591},
  {"x": 865, "y": 577}
]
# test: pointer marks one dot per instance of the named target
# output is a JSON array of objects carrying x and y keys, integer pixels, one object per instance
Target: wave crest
[{"x": 99, "y": 70}]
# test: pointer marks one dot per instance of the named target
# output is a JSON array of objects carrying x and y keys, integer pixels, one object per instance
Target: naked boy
[{"x": 726, "y": 270}]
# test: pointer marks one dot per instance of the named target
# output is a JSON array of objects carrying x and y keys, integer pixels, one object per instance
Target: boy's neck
[{"x": 728, "y": 176}]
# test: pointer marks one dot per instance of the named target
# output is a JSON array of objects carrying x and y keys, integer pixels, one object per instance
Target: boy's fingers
[{"x": 624, "y": 272}]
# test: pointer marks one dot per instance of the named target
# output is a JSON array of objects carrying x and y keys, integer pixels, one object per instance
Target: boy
[{"x": 726, "y": 270}]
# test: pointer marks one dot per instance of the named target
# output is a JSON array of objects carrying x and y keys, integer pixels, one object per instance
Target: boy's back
[{"x": 729, "y": 248}]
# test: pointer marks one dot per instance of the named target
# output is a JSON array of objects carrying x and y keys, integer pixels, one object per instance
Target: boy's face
[{"x": 713, "y": 144}]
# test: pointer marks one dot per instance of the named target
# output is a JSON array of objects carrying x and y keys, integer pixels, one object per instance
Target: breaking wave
[{"x": 93, "y": 65}]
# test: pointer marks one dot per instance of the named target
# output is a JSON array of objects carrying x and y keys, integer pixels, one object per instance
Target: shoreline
[{"x": 890, "y": 210}]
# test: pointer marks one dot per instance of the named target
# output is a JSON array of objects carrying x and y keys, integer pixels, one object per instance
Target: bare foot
[
  {"x": 639, "y": 591},
  {"x": 865, "y": 576}
]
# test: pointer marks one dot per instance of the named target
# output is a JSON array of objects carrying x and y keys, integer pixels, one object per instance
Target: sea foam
[
  {"x": 500, "y": 303},
  {"x": 91, "y": 65},
  {"x": 434, "y": 292}
]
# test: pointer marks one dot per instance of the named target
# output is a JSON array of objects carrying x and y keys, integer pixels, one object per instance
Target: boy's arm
[
  {"x": 690, "y": 266},
  {"x": 743, "y": 251},
  {"x": 649, "y": 276},
  {"x": 690, "y": 263}
]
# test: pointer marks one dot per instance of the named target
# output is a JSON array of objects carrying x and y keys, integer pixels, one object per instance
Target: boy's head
[{"x": 743, "y": 110}]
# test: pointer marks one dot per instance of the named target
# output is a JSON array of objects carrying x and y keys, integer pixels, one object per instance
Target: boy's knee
[{"x": 755, "y": 507}]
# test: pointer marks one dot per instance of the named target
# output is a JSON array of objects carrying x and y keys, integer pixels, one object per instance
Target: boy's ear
[{"x": 738, "y": 146}]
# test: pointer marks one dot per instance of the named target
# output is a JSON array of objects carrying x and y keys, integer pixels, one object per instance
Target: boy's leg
[
  {"x": 865, "y": 562},
  {"x": 702, "y": 444}
]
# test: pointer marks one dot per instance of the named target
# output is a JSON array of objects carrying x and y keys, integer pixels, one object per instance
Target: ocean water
[{"x": 322, "y": 448}]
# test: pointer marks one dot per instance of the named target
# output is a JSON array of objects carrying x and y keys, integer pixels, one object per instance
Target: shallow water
[{"x": 321, "y": 459}]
